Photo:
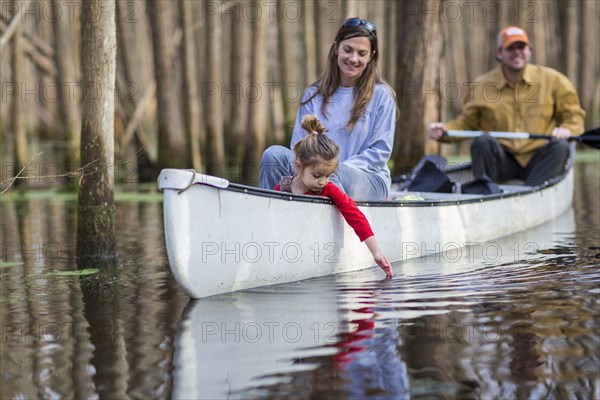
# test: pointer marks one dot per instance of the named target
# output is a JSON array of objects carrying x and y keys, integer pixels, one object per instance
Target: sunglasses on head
[{"x": 361, "y": 22}]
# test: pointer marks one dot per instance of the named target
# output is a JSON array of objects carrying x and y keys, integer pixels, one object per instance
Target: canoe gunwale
[
  {"x": 395, "y": 203},
  {"x": 454, "y": 198}
]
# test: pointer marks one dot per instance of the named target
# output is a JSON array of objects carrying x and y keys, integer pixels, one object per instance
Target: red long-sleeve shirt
[{"x": 355, "y": 218}]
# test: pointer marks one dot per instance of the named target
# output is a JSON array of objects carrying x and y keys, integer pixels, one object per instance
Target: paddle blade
[{"x": 591, "y": 138}]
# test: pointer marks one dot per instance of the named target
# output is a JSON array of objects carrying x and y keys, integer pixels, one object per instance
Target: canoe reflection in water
[
  {"x": 239, "y": 344},
  {"x": 365, "y": 337},
  {"x": 229, "y": 343}
]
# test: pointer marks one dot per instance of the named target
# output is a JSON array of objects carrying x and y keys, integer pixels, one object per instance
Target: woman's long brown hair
[{"x": 365, "y": 87}]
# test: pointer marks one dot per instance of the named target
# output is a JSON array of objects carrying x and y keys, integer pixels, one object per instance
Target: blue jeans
[{"x": 278, "y": 161}]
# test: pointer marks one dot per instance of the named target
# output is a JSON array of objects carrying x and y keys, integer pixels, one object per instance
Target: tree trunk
[
  {"x": 274, "y": 86},
  {"x": 211, "y": 92},
  {"x": 589, "y": 65},
  {"x": 537, "y": 34},
  {"x": 257, "y": 119},
  {"x": 327, "y": 20},
  {"x": 96, "y": 207},
  {"x": 17, "y": 116},
  {"x": 387, "y": 54},
  {"x": 172, "y": 151},
  {"x": 570, "y": 15},
  {"x": 49, "y": 126},
  {"x": 191, "y": 106},
  {"x": 240, "y": 76},
  {"x": 139, "y": 166},
  {"x": 430, "y": 92},
  {"x": 67, "y": 75},
  {"x": 454, "y": 80},
  {"x": 290, "y": 68},
  {"x": 310, "y": 42},
  {"x": 418, "y": 52}
]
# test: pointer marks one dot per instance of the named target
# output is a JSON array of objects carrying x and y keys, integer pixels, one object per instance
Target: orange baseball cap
[{"x": 510, "y": 35}]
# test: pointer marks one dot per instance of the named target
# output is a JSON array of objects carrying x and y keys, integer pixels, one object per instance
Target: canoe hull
[{"x": 222, "y": 238}]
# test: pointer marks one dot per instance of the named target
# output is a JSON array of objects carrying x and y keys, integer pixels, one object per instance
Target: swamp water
[{"x": 514, "y": 318}]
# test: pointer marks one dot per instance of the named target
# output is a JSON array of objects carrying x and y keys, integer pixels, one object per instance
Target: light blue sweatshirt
[{"x": 369, "y": 145}]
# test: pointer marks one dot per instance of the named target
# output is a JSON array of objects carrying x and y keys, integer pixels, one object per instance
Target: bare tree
[
  {"x": 310, "y": 42},
  {"x": 211, "y": 88},
  {"x": 290, "y": 68},
  {"x": 257, "y": 118},
  {"x": 172, "y": 151},
  {"x": 67, "y": 75},
  {"x": 418, "y": 55},
  {"x": 17, "y": 125},
  {"x": 96, "y": 207},
  {"x": 191, "y": 106},
  {"x": 130, "y": 51},
  {"x": 589, "y": 67},
  {"x": 241, "y": 47}
]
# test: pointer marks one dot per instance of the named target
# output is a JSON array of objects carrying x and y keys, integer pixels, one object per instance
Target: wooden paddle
[{"x": 591, "y": 137}]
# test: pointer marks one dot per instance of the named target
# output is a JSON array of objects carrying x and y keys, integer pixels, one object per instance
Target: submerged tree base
[{"x": 95, "y": 235}]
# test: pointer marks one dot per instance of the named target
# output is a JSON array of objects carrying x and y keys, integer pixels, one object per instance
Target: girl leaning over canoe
[{"x": 316, "y": 161}]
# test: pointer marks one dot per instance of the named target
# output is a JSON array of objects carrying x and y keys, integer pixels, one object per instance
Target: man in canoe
[
  {"x": 359, "y": 111},
  {"x": 518, "y": 96}
]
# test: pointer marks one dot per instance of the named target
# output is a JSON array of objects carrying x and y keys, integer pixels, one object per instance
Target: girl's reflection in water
[{"x": 368, "y": 359}]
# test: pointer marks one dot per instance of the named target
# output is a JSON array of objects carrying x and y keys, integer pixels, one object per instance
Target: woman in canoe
[
  {"x": 359, "y": 110},
  {"x": 315, "y": 162}
]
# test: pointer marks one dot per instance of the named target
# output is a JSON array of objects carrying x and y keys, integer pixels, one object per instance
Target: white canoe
[{"x": 223, "y": 237}]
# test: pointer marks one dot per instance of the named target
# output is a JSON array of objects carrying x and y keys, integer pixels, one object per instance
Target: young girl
[{"x": 316, "y": 160}]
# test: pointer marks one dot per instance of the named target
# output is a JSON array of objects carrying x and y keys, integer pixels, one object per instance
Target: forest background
[{"x": 210, "y": 84}]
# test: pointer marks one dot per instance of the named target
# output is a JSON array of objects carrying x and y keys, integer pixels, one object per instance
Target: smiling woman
[
  {"x": 357, "y": 108},
  {"x": 353, "y": 56}
]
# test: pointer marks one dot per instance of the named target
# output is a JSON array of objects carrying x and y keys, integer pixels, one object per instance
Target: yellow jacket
[{"x": 542, "y": 100}]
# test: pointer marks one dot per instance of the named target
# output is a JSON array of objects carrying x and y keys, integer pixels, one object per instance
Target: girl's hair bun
[
  {"x": 311, "y": 124},
  {"x": 316, "y": 146}
]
